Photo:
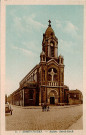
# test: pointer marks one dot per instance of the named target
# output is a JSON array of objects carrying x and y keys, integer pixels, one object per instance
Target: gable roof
[{"x": 52, "y": 61}]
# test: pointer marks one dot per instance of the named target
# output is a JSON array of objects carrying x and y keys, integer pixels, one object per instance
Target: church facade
[{"x": 45, "y": 82}]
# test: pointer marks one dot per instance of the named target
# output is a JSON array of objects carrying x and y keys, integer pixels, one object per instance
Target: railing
[{"x": 52, "y": 83}]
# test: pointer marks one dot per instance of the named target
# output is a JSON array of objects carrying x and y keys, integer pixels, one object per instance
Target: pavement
[
  {"x": 33, "y": 118},
  {"x": 78, "y": 125}
]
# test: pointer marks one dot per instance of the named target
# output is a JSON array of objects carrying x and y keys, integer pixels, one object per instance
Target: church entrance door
[
  {"x": 52, "y": 100},
  {"x": 53, "y": 97}
]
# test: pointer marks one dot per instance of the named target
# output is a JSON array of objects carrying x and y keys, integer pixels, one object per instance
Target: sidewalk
[{"x": 78, "y": 125}]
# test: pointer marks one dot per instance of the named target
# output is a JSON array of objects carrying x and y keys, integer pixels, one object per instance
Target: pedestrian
[
  {"x": 47, "y": 108},
  {"x": 42, "y": 107}
]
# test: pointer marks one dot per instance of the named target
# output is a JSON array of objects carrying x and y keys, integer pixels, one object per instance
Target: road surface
[{"x": 32, "y": 118}]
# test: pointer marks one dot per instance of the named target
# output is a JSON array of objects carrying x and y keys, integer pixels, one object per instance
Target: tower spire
[{"x": 49, "y": 23}]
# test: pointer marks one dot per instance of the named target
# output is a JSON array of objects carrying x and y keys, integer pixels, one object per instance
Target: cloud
[
  {"x": 65, "y": 44},
  {"x": 18, "y": 24},
  {"x": 31, "y": 23},
  {"x": 24, "y": 51},
  {"x": 70, "y": 28},
  {"x": 27, "y": 24},
  {"x": 67, "y": 27},
  {"x": 34, "y": 23},
  {"x": 58, "y": 24},
  {"x": 32, "y": 46},
  {"x": 68, "y": 46}
]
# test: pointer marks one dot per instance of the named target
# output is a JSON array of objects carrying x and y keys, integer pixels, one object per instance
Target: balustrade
[{"x": 50, "y": 83}]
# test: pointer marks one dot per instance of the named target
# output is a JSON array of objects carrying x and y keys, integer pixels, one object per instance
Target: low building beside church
[
  {"x": 45, "y": 82},
  {"x": 75, "y": 97}
]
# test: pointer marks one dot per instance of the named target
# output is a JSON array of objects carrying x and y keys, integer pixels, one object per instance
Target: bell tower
[
  {"x": 50, "y": 43},
  {"x": 51, "y": 72}
]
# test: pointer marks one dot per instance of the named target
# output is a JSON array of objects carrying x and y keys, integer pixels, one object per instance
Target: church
[{"x": 45, "y": 82}]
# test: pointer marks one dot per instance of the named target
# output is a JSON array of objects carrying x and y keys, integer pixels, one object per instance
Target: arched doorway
[
  {"x": 53, "y": 97},
  {"x": 52, "y": 100}
]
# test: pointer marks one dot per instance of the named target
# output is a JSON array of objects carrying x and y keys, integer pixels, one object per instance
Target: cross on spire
[{"x": 49, "y": 23}]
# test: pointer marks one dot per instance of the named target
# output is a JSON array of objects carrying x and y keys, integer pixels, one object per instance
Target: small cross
[
  {"x": 49, "y": 23},
  {"x": 52, "y": 74}
]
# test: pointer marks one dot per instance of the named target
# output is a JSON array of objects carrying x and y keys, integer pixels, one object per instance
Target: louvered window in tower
[{"x": 52, "y": 51}]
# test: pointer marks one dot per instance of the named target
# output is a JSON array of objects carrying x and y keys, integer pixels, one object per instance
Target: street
[{"x": 32, "y": 117}]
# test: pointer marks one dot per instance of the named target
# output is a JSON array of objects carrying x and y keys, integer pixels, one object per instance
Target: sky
[{"x": 25, "y": 25}]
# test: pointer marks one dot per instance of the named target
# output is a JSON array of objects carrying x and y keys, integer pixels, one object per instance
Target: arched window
[
  {"x": 52, "y": 49},
  {"x": 62, "y": 76},
  {"x": 43, "y": 58},
  {"x": 44, "y": 75}
]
